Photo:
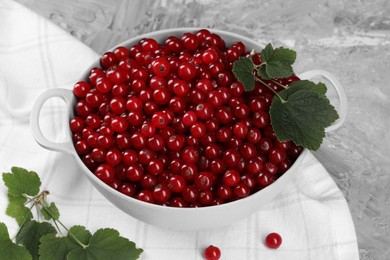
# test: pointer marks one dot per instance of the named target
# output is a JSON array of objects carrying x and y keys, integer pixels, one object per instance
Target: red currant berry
[
  {"x": 260, "y": 119},
  {"x": 159, "y": 120},
  {"x": 277, "y": 155},
  {"x": 108, "y": 59},
  {"x": 198, "y": 130},
  {"x": 128, "y": 189},
  {"x": 176, "y": 142},
  {"x": 204, "y": 181},
  {"x": 205, "y": 198},
  {"x": 156, "y": 143},
  {"x": 76, "y": 124},
  {"x": 231, "y": 178},
  {"x": 240, "y": 130},
  {"x": 241, "y": 190},
  {"x": 155, "y": 167},
  {"x": 209, "y": 56},
  {"x": 146, "y": 196},
  {"x": 135, "y": 173},
  {"x": 105, "y": 172},
  {"x": 264, "y": 180},
  {"x": 129, "y": 157},
  {"x": 190, "y": 154},
  {"x": 189, "y": 172},
  {"x": 177, "y": 183},
  {"x": 161, "y": 67},
  {"x": 81, "y": 89},
  {"x": 212, "y": 253},
  {"x": 119, "y": 124},
  {"x": 273, "y": 240},
  {"x": 190, "y": 194},
  {"x": 149, "y": 45},
  {"x": 121, "y": 53},
  {"x": 186, "y": 71}
]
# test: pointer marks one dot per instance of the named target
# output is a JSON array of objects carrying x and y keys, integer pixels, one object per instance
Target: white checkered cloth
[{"x": 313, "y": 218}]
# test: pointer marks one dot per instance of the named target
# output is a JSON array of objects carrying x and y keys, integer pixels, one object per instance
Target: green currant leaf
[
  {"x": 262, "y": 72},
  {"x": 243, "y": 70},
  {"x": 320, "y": 88},
  {"x": 267, "y": 52},
  {"x": 82, "y": 234},
  {"x": 277, "y": 62},
  {"x": 20, "y": 181},
  {"x": 52, "y": 247},
  {"x": 284, "y": 55},
  {"x": 302, "y": 118},
  {"x": 106, "y": 244},
  {"x": 50, "y": 212},
  {"x": 31, "y": 233},
  {"x": 8, "y": 249},
  {"x": 3, "y": 232},
  {"x": 58, "y": 248},
  {"x": 19, "y": 212},
  {"x": 12, "y": 251},
  {"x": 278, "y": 69}
]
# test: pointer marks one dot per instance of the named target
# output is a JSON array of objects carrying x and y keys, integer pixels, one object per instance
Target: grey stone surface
[{"x": 350, "y": 39}]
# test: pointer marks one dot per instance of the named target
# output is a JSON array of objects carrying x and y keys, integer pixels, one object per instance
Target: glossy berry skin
[
  {"x": 204, "y": 181},
  {"x": 128, "y": 189},
  {"x": 161, "y": 67},
  {"x": 273, "y": 240},
  {"x": 76, "y": 124},
  {"x": 277, "y": 155},
  {"x": 186, "y": 71},
  {"x": 231, "y": 178},
  {"x": 190, "y": 194},
  {"x": 161, "y": 193},
  {"x": 135, "y": 173},
  {"x": 81, "y": 89},
  {"x": 146, "y": 196},
  {"x": 159, "y": 120},
  {"x": 177, "y": 183},
  {"x": 241, "y": 190},
  {"x": 212, "y": 253},
  {"x": 209, "y": 56},
  {"x": 105, "y": 173},
  {"x": 189, "y": 118},
  {"x": 119, "y": 124},
  {"x": 198, "y": 130}
]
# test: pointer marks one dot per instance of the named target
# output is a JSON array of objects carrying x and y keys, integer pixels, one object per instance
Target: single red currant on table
[
  {"x": 273, "y": 240},
  {"x": 212, "y": 253}
]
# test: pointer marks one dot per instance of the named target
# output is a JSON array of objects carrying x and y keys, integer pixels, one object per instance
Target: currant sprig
[
  {"x": 301, "y": 111},
  {"x": 39, "y": 239}
]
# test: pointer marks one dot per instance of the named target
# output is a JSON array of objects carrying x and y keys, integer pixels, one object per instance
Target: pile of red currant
[{"x": 168, "y": 123}]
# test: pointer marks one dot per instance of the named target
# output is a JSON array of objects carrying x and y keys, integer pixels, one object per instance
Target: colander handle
[
  {"x": 342, "y": 110},
  {"x": 67, "y": 96}
]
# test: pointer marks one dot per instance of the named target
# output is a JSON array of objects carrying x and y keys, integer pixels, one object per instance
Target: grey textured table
[{"x": 350, "y": 39}]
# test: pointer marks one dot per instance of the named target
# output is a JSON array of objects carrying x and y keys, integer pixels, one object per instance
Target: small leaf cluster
[
  {"x": 301, "y": 111},
  {"x": 42, "y": 240}
]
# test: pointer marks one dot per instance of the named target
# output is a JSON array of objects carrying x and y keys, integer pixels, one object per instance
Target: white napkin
[{"x": 313, "y": 218}]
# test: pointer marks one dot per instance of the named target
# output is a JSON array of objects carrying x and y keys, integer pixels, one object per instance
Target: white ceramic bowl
[{"x": 170, "y": 217}]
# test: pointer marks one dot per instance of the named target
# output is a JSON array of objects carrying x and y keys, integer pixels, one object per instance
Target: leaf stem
[
  {"x": 276, "y": 93},
  {"x": 46, "y": 207},
  {"x": 23, "y": 222},
  {"x": 279, "y": 84}
]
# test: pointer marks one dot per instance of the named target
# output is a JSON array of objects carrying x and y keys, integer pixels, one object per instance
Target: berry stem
[
  {"x": 47, "y": 209},
  {"x": 279, "y": 84},
  {"x": 24, "y": 219},
  {"x": 265, "y": 84}
]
